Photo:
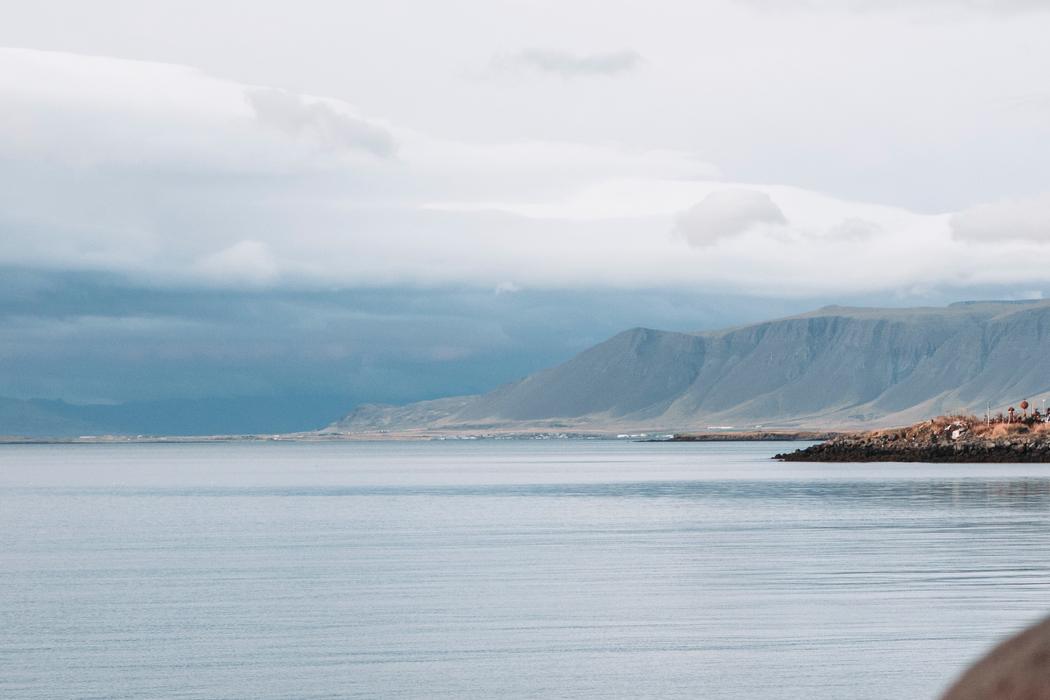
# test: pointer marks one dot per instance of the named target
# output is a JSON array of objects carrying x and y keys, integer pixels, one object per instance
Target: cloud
[
  {"x": 987, "y": 6},
  {"x": 250, "y": 262},
  {"x": 712, "y": 74},
  {"x": 320, "y": 121},
  {"x": 1007, "y": 220},
  {"x": 507, "y": 288},
  {"x": 854, "y": 229},
  {"x": 570, "y": 65},
  {"x": 727, "y": 213},
  {"x": 194, "y": 191}
]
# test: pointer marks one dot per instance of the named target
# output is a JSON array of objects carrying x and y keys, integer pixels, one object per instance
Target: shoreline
[
  {"x": 433, "y": 436},
  {"x": 946, "y": 439},
  {"x": 756, "y": 436}
]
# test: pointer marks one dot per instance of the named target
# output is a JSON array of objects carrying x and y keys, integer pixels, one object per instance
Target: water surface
[{"x": 505, "y": 569}]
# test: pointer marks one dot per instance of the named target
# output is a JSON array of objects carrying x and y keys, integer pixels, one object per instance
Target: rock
[
  {"x": 963, "y": 439},
  {"x": 1017, "y": 669}
]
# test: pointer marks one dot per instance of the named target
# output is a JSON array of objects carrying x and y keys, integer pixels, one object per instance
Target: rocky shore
[{"x": 944, "y": 439}]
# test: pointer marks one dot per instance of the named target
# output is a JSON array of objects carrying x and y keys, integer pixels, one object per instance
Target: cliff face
[{"x": 832, "y": 367}]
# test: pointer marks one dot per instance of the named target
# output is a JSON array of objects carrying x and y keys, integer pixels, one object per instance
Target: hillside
[{"x": 834, "y": 367}]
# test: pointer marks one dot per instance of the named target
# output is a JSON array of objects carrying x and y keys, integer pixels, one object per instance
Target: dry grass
[
  {"x": 974, "y": 427},
  {"x": 998, "y": 430}
]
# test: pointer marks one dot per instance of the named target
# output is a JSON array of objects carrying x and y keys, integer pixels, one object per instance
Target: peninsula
[{"x": 943, "y": 439}]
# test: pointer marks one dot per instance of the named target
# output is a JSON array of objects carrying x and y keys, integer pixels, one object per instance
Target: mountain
[
  {"x": 834, "y": 367},
  {"x": 206, "y": 416},
  {"x": 38, "y": 417}
]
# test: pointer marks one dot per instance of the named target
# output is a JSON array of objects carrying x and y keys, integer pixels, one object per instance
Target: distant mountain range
[
  {"x": 211, "y": 416},
  {"x": 834, "y": 367}
]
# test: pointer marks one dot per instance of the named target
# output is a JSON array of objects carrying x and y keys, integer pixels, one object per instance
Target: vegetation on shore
[{"x": 959, "y": 438}]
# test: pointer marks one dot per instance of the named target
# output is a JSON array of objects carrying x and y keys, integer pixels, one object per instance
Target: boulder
[{"x": 1017, "y": 669}]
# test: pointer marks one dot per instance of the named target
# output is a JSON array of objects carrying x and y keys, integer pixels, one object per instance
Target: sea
[{"x": 506, "y": 569}]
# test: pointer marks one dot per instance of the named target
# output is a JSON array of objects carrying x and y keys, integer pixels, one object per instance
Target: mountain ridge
[{"x": 832, "y": 367}]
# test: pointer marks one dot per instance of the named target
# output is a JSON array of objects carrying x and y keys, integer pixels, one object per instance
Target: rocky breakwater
[{"x": 944, "y": 439}]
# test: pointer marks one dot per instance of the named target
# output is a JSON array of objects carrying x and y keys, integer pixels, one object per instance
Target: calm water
[{"x": 505, "y": 569}]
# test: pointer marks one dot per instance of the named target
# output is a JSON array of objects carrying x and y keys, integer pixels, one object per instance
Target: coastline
[
  {"x": 435, "y": 436},
  {"x": 964, "y": 439},
  {"x": 755, "y": 436}
]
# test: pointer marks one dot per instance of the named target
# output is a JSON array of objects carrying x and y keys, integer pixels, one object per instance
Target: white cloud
[
  {"x": 727, "y": 213},
  {"x": 854, "y": 229},
  {"x": 323, "y": 122},
  {"x": 1009, "y": 219},
  {"x": 993, "y": 6},
  {"x": 811, "y": 98},
  {"x": 250, "y": 262},
  {"x": 507, "y": 288},
  {"x": 570, "y": 65},
  {"x": 166, "y": 174}
]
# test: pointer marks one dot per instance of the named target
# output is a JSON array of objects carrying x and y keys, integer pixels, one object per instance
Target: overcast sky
[{"x": 397, "y": 200}]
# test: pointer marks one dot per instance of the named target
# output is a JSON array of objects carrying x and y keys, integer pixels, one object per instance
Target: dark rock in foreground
[
  {"x": 945, "y": 439},
  {"x": 1017, "y": 669}
]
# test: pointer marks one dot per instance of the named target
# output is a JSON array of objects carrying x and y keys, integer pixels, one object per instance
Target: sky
[{"x": 347, "y": 202}]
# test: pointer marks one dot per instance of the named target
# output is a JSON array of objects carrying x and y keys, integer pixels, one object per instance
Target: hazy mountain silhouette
[{"x": 206, "y": 416}]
